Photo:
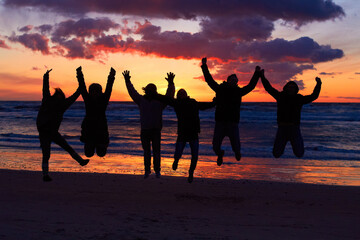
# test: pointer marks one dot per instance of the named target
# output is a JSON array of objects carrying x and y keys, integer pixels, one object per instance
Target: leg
[
  {"x": 219, "y": 134},
  {"x": 89, "y": 149},
  {"x": 194, "y": 146},
  {"x": 179, "y": 148},
  {"x": 280, "y": 142},
  {"x": 233, "y": 133},
  {"x": 45, "y": 143},
  {"x": 101, "y": 149},
  {"x": 145, "y": 142},
  {"x": 156, "y": 147},
  {"x": 58, "y": 139},
  {"x": 297, "y": 142}
]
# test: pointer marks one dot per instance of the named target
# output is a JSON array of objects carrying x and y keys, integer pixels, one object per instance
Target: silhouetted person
[
  {"x": 151, "y": 119},
  {"x": 227, "y": 112},
  {"x": 48, "y": 122},
  {"x": 289, "y": 104},
  {"x": 94, "y": 128},
  {"x": 187, "y": 112}
]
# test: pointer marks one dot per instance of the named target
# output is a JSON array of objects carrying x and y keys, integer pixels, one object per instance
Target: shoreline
[
  {"x": 117, "y": 206},
  {"x": 285, "y": 170}
]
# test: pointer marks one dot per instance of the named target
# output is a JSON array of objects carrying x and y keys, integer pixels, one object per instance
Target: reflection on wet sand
[{"x": 288, "y": 170}]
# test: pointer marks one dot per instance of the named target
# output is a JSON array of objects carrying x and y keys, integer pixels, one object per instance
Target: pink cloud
[{"x": 3, "y": 44}]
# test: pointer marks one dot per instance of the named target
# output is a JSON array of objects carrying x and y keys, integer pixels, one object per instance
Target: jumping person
[
  {"x": 48, "y": 122},
  {"x": 94, "y": 128},
  {"x": 151, "y": 119},
  {"x": 227, "y": 112},
  {"x": 187, "y": 112},
  {"x": 289, "y": 104}
]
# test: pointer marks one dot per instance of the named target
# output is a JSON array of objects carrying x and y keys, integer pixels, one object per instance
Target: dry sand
[{"x": 111, "y": 206}]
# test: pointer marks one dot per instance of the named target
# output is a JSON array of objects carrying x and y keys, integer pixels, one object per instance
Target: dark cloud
[
  {"x": 357, "y": 73},
  {"x": 45, "y": 28},
  {"x": 175, "y": 44},
  {"x": 298, "y": 11},
  {"x": 278, "y": 73},
  {"x": 76, "y": 48},
  {"x": 303, "y": 49},
  {"x": 111, "y": 43},
  {"x": 34, "y": 41},
  {"x": 26, "y": 28},
  {"x": 85, "y": 27},
  {"x": 241, "y": 28}
]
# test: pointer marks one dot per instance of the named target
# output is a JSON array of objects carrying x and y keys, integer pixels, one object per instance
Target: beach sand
[{"x": 115, "y": 206}]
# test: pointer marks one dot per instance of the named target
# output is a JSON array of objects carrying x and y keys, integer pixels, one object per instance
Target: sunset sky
[{"x": 292, "y": 40}]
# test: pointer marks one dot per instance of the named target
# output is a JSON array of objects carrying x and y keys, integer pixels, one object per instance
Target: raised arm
[
  {"x": 46, "y": 85},
  {"x": 70, "y": 100},
  {"x": 208, "y": 78},
  {"x": 135, "y": 96},
  {"x": 312, "y": 97},
  {"x": 82, "y": 85},
  {"x": 206, "y": 105},
  {"x": 109, "y": 84},
  {"x": 272, "y": 91},
  {"x": 166, "y": 99},
  {"x": 170, "y": 92},
  {"x": 252, "y": 84}
]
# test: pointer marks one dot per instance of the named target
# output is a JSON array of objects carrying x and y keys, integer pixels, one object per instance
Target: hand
[
  {"x": 170, "y": 77},
  {"x": 318, "y": 80},
  {"x": 47, "y": 72},
  {"x": 257, "y": 69},
  {"x": 203, "y": 61},
  {"x": 126, "y": 75},
  {"x": 262, "y": 73},
  {"x": 112, "y": 72},
  {"x": 79, "y": 73}
]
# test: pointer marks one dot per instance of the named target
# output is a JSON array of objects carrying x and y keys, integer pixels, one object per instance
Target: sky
[{"x": 294, "y": 40}]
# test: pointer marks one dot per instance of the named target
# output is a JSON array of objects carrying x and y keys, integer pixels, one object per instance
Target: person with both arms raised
[
  {"x": 227, "y": 111},
  {"x": 94, "y": 128},
  {"x": 289, "y": 104},
  {"x": 151, "y": 119},
  {"x": 48, "y": 123},
  {"x": 187, "y": 112}
]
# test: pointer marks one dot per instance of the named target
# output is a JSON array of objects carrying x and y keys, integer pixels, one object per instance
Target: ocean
[{"x": 331, "y": 133}]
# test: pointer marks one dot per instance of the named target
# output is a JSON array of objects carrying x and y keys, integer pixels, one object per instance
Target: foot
[
  {"x": 84, "y": 162},
  {"x": 191, "y": 177},
  {"x": 147, "y": 174},
  {"x": 47, "y": 178},
  {"x": 158, "y": 174},
  {"x": 175, "y": 164},
  {"x": 238, "y": 156},
  {"x": 220, "y": 158}
]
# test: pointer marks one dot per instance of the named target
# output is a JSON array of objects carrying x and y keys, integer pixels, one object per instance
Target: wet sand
[{"x": 118, "y": 206}]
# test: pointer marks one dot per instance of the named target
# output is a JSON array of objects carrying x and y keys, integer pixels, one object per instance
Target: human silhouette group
[{"x": 227, "y": 101}]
